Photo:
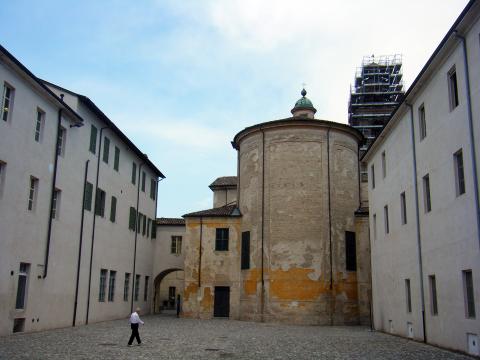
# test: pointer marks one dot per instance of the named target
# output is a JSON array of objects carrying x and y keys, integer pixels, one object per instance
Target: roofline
[
  {"x": 40, "y": 83},
  {"x": 170, "y": 224},
  {"x": 95, "y": 109},
  {"x": 295, "y": 121},
  {"x": 212, "y": 216},
  {"x": 417, "y": 82}
]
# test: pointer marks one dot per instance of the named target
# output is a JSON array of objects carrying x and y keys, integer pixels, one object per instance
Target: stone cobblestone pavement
[{"x": 166, "y": 337}]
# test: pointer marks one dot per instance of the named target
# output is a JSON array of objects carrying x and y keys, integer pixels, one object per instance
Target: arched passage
[{"x": 168, "y": 284}]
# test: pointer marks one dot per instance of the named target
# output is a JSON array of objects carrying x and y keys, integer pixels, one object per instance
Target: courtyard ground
[{"x": 166, "y": 337}]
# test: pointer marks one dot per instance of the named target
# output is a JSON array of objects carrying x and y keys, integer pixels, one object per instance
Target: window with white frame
[
  {"x": 62, "y": 135},
  {"x": 103, "y": 285},
  {"x": 7, "y": 102},
  {"x": 459, "y": 172},
  {"x": 422, "y": 124},
  {"x": 111, "y": 285},
  {"x": 39, "y": 123},
  {"x": 176, "y": 246},
  {"x": 453, "y": 88},
  {"x": 56, "y": 203},
  {"x": 32, "y": 193},
  {"x": 22, "y": 286}
]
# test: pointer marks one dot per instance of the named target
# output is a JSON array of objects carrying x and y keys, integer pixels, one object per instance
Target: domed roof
[{"x": 303, "y": 103}]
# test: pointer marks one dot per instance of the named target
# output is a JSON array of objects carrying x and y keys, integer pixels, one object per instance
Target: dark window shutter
[
  {"x": 93, "y": 139},
  {"x": 88, "y": 196},
  {"x": 116, "y": 160},
  {"x": 134, "y": 173},
  {"x": 245, "y": 250},
  {"x": 131, "y": 219},
  {"x": 154, "y": 230},
  {"x": 139, "y": 222},
  {"x": 144, "y": 229},
  {"x": 113, "y": 209},
  {"x": 106, "y": 149},
  {"x": 350, "y": 251}
]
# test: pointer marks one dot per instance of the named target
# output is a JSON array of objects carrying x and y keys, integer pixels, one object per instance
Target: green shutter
[
  {"x": 152, "y": 188},
  {"x": 106, "y": 149},
  {"x": 154, "y": 229},
  {"x": 117, "y": 158},
  {"x": 113, "y": 209},
  {"x": 139, "y": 222},
  {"x": 93, "y": 139},
  {"x": 131, "y": 219},
  {"x": 134, "y": 172},
  {"x": 144, "y": 225},
  {"x": 88, "y": 196}
]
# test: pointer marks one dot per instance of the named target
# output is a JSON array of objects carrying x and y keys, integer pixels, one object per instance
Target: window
[
  {"x": 100, "y": 202},
  {"x": 221, "y": 240},
  {"x": 176, "y": 247},
  {"x": 116, "y": 160},
  {"x": 148, "y": 226},
  {"x": 145, "y": 293},
  {"x": 103, "y": 284},
  {"x": 453, "y": 88},
  {"x": 106, "y": 149},
  {"x": 144, "y": 228},
  {"x": 468, "y": 294},
  {"x": 88, "y": 196},
  {"x": 3, "y": 170},
  {"x": 7, "y": 101},
  {"x": 134, "y": 173},
  {"x": 154, "y": 229},
  {"x": 39, "y": 125},
  {"x": 111, "y": 285},
  {"x": 32, "y": 193},
  {"x": 245, "y": 260},
  {"x": 113, "y": 209},
  {"x": 137, "y": 287},
  {"x": 385, "y": 214},
  {"x": 372, "y": 171},
  {"x": 56, "y": 203},
  {"x": 22, "y": 286},
  {"x": 143, "y": 181},
  {"x": 426, "y": 194},
  {"x": 374, "y": 227},
  {"x": 422, "y": 125},
  {"x": 403, "y": 208},
  {"x": 93, "y": 139},
  {"x": 384, "y": 165},
  {"x": 126, "y": 286},
  {"x": 139, "y": 222},
  {"x": 132, "y": 218},
  {"x": 62, "y": 135},
  {"x": 153, "y": 188},
  {"x": 433, "y": 295},
  {"x": 408, "y": 295},
  {"x": 350, "y": 251},
  {"x": 459, "y": 174}
]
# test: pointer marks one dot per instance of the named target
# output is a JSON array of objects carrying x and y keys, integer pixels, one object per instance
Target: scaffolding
[{"x": 375, "y": 93}]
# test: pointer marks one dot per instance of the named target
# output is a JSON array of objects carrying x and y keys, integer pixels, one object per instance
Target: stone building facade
[{"x": 293, "y": 234}]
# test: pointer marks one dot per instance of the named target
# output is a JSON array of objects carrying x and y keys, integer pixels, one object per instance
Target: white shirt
[{"x": 135, "y": 319}]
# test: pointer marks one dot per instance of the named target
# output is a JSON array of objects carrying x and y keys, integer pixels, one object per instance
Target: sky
[{"x": 181, "y": 78}]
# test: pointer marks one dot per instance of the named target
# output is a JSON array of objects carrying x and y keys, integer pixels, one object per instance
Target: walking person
[
  {"x": 178, "y": 306},
  {"x": 135, "y": 322}
]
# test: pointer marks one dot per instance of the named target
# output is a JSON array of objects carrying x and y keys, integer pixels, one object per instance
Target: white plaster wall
[{"x": 448, "y": 233}]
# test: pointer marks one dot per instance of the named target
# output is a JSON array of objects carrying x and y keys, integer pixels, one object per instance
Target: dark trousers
[{"x": 135, "y": 334}]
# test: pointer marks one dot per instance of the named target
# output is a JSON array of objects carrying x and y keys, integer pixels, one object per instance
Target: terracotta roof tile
[
  {"x": 170, "y": 221},
  {"x": 224, "y": 181},
  {"x": 224, "y": 211}
]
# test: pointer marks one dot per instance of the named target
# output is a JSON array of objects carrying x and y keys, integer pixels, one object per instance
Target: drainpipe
[
  {"x": 136, "y": 235},
  {"x": 52, "y": 194},
  {"x": 238, "y": 178},
  {"x": 470, "y": 130},
  {"x": 200, "y": 255},
  {"x": 80, "y": 244},
  {"x": 93, "y": 225},
  {"x": 262, "y": 295},
  {"x": 332, "y": 303},
  {"x": 417, "y": 217}
]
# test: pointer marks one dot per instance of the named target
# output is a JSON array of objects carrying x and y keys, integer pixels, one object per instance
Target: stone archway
[{"x": 165, "y": 280}]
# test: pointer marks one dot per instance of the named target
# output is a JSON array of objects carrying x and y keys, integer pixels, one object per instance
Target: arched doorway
[{"x": 168, "y": 285}]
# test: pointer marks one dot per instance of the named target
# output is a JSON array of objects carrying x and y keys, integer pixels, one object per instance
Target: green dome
[{"x": 303, "y": 103}]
